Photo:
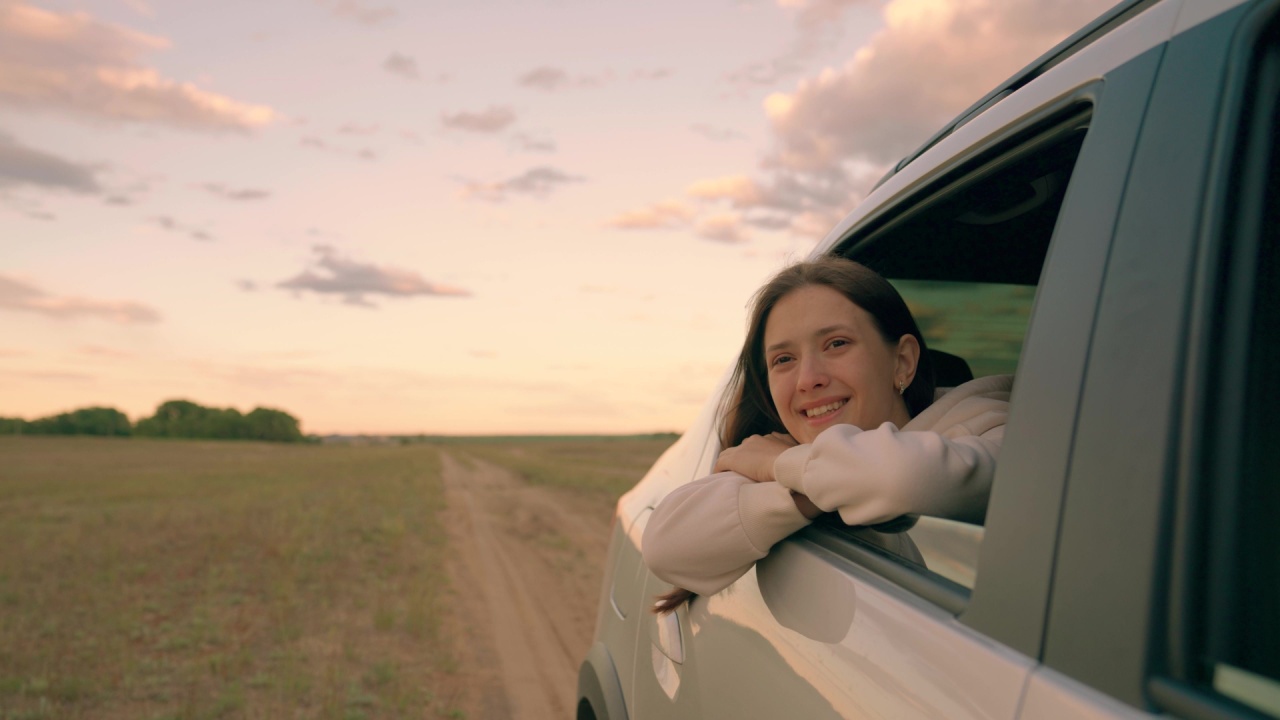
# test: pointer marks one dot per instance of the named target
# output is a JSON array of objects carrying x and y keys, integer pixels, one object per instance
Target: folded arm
[{"x": 706, "y": 534}]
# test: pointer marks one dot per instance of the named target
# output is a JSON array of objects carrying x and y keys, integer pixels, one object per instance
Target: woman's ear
[{"x": 908, "y": 359}]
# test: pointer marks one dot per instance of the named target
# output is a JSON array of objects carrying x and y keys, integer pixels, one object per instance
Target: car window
[{"x": 967, "y": 255}]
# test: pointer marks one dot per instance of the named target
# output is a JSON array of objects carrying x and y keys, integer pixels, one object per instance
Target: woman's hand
[{"x": 755, "y": 456}]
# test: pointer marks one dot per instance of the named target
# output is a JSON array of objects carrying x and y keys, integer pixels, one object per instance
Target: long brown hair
[{"x": 747, "y": 406}]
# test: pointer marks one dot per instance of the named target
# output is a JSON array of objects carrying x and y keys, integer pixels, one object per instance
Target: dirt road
[{"x": 526, "y": 566}]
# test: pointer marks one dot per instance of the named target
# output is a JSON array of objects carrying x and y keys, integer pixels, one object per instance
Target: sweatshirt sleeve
[
  {"x": 873, "y": 476},
  {"x": 705, "y": 535}
]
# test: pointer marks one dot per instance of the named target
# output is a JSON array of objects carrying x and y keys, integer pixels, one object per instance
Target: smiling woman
[{"x": 830, "y": 409}]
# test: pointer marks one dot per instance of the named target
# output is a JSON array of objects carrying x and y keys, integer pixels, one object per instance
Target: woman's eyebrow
[
  {"x": 831, "y": 329},
  {"x": 816, "y": 333}
]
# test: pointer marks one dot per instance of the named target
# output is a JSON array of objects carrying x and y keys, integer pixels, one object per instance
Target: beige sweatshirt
[{"x": 705, "y": 535}]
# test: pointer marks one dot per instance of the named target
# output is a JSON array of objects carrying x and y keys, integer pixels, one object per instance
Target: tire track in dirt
[{"x": 527, "y": 565}]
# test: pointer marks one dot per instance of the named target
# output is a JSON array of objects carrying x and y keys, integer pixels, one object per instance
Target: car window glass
[{"x": 966, "y": 258}]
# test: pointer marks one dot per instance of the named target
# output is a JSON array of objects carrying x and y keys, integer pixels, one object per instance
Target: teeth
[{"x": 830, "y": 407}]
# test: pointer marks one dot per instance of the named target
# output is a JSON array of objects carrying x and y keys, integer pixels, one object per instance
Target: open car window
[{"x": 967, "y": 255}]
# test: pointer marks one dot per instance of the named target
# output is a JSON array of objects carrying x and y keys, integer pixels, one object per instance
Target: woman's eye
[
  {"x": 780, "y": 360},
  {"x": 837, "y": 343}
]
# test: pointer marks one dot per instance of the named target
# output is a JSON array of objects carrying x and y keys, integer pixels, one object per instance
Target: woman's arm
[
  {"x": 874, "y": 476},
  {"x": 941, "y": 464},
  {"x": 705, "y": 535}
]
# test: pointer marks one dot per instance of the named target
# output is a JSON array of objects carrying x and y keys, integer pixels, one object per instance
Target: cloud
[
  {"x": 725, "y": 228},
  {"x": 72, "y": 63},
  {"x": 819, "y": 24},
  {"x": 667, "y": 214},
  {"x": 22, "y": 165},
  {"x": 227, "y": 193},
  {"x": 315, "y": 143},
  {"x": 20, "y": 296},
  {"x": 490, "y": 120},
  {"x": 931, "y": 60},
  {"x": 360, "y": 12},
  {"x": 654, "y": 74},
  {"x": 538, "y": 182},
  {"x": 714, "y": 133},
  {"x": 357, "y": 129},
  {"x": 818, "y": 12},
  {"x": 247, "y": 285},
  {"x": 165, "y": 222},
  {"x": 838, "y": 131},
  {"x": 101, "y": 351},
  {"x": 544, "y": 78},
  {"x": 551, "y": 79},
  {"x": 528, "y": 143},
  {"x": 335, "y": 275},
  {"x": 402, "y": 65},
  {"x": 766, "y": 73}
]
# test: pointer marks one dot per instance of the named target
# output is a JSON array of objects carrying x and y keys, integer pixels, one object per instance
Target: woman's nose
[{"x": 813, "y": 376}]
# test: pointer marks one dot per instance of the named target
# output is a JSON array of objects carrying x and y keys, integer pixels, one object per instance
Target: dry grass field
[{"x": 186, "y": 579}]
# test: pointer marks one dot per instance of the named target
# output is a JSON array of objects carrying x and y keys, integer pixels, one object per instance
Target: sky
[{"x": 485, "y": 217}]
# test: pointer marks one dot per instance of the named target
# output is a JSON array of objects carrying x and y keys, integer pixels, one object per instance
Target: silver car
[{"x": 1103, "y": 225}]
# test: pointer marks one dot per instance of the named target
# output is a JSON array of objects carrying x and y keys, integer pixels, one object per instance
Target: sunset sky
[{"x": 385, "y": 216}]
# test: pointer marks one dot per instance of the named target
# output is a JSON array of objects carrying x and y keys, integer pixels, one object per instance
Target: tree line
[{"x": 175, "y": 418}]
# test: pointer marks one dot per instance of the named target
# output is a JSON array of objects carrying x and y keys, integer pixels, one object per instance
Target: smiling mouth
[{"x": 824, "y": 409}]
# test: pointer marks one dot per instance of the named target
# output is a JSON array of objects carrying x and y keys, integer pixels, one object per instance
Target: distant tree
[
  {"x": 12, "y": 426},
  {"x": 85, "y": 421},
  {"x": 174, "y": 418},
  {"x": 277, "y": 425},
  {"x": 183, "y": 418}
]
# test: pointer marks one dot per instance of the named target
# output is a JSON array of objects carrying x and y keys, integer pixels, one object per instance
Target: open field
[{"x": 189, "y": 579}]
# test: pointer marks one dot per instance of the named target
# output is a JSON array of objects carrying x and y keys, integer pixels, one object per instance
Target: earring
[{"x": 902, "y": 387}]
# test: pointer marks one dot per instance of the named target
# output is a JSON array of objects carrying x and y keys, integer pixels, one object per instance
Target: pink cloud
[
  {"x": 72, "y": 63},
  {"x": 24, "y": 297},
  {"x": 665, "y": 214},
  {"x": 839, "y": 130}
]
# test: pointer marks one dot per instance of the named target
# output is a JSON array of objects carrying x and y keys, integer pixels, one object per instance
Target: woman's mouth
[{"x": 823, "y": 410}]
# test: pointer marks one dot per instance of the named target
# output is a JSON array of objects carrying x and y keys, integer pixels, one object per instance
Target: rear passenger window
[{"x": 967, "y": 256}]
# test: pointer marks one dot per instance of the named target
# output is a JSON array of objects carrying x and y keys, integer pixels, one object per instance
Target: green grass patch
[
  {"x": 604, "y": 465},
  {"x": 195, "y": 579}
]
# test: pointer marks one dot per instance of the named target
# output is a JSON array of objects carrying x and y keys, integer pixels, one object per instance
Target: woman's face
[{"x": 829, "y": 365}]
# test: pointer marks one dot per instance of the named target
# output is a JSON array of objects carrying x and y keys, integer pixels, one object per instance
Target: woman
[{"x": 830, "y": 409}]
